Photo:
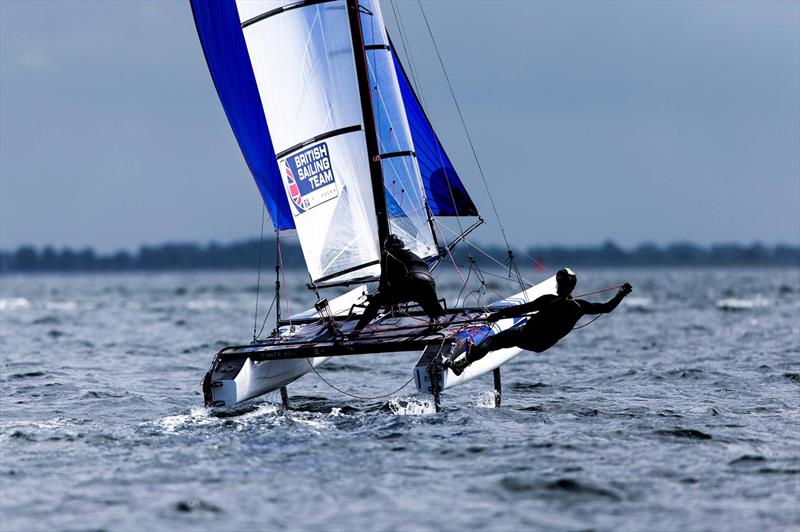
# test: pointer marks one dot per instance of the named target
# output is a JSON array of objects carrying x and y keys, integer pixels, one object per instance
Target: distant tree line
[{"x": 245, "y": 255}]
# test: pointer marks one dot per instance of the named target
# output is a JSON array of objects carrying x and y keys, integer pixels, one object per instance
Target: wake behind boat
[{"x": 344, "y": 156}]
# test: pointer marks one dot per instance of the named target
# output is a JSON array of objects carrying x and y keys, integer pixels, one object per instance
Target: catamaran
[{"x": 343, "y": 155}]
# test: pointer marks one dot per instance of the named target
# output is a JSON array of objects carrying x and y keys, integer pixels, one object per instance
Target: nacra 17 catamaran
[{"x": 343, "y": 154}]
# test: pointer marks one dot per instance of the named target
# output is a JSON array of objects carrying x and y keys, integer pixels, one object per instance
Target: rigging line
[
  {"x": 504, "y": 266},
  {"x": 587, "y": 323},
  {"x": 463, "y": 286},
  {"x": 264, "y": 323},
  {"x": 418, "y": 88},
  {"x": 438, "y": 145},
  {"x": 513, "y": 264},
  {"x": 464, "y": 125},
  {"x": 598, "y": 291},
  {"x": 406, "y": 47},
  {"x": 354, "y": 395},
  {"x": 485, "y": 272},
  {"x": 285, "y": 286},
  {"x": 484, "y": 284},
  {"x": 258, "y": 283},
  {"x": 493, "y": 259},
  {"x": 453, "y": 260}
]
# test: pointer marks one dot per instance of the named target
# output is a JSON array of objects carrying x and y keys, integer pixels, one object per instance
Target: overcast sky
[{"x": 631, "y": 121}]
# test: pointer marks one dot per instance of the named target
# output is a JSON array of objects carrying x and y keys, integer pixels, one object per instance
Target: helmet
[
  {"x": 566, "y": 280},
  {"x": 393, "y": 242}
]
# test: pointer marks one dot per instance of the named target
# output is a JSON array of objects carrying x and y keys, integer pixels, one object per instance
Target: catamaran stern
[{"x": 231, "y": 380}]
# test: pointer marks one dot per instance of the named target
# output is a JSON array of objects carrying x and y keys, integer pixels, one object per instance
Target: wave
[
  {"x": 61, "y": 305},
  {"x": 733, "y": 303},
  {"x": 411, "y": 406},
  {"x": 639, "y": 303},
  {"x": 486, "y": 399},
  {"x": 14, "y": 303},
  {"x": 691, "y": 434},
  {"x": 206, "y": 304}
]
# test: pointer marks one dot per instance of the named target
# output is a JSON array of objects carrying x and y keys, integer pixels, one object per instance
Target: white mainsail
[{"x": 304, "y": 66}]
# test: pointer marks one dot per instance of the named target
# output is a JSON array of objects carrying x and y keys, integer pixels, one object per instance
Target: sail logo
[{"x": 309, "y": 178}]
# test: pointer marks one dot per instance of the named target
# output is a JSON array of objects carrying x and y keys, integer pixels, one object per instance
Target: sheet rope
[{"x": 367, "y": 398}]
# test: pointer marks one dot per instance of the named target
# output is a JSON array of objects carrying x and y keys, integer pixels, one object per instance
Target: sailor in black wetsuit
[
  {"x": 404, "y": 277},
  {"x": 555, "y": 317}
]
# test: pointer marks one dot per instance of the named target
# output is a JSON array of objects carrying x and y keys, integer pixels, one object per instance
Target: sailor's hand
[{"x": 625, "y": 289}]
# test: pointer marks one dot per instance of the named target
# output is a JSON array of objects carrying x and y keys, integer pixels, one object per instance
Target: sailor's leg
[
  {"x": 424, "y": 293},
  {"x": 501, "y": 340},
  {"x": 369, "y": 313}
]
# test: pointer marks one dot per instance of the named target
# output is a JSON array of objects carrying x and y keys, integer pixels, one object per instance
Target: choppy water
[{"x": 678, "y": 411}]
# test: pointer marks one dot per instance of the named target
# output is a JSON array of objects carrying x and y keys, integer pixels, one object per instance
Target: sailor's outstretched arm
[
  {"x": 518, "y": 310},
  {"x": 608, "y": 306}
]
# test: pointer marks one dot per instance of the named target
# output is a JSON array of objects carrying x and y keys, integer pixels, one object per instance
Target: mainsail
[{"x": 342, "y": 153}]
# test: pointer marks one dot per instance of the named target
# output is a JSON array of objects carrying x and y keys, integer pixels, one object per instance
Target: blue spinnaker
[
  {"x": 220, "y": 33},
  {"x": 445, "y": 193}
]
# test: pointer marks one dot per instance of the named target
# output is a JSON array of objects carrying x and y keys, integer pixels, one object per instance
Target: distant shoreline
[{"x": 244, "y": 255}]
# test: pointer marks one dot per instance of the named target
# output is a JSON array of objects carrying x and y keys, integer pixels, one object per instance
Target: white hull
[
  {"x": 494, "y": 359},
  {"x": 259, "y": 377}
]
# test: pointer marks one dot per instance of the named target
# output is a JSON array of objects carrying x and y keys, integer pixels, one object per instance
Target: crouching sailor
[
  {"x": 404, "y": 277},
  {"x": 555, "y": 317}
]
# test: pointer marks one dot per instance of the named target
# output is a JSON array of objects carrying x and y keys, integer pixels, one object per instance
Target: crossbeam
[
  {"x": 328, "y": 349},
  {"x": 414, "y": 313}
]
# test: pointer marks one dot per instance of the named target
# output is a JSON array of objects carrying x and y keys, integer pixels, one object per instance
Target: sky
[{"x": 630, "y": 121}]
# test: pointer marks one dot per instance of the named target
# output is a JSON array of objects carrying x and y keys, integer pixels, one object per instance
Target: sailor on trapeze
[
  {"x": 555, "y": 317},
  {"x": 404, "y": 277}
]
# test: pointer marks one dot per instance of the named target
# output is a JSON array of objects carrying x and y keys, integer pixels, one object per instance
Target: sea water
[{"x": 679, "y": 411}]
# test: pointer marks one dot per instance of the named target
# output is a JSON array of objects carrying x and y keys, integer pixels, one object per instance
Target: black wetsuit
[
  {"x": 554, "y": 319},
  {"x": 404, "y": 278}
]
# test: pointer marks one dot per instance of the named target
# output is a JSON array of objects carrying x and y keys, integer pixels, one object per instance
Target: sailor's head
[
  {"x": 393, "y": 242},
  {"x": 565, "y": 280}
]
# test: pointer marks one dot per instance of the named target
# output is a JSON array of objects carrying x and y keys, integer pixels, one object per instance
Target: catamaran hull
[
  {"x": 493, "y": 360},
  {"x": 233, "y": 379},
  {"x": 254, "y": 378},
  {"x": 239, "y": 373}
]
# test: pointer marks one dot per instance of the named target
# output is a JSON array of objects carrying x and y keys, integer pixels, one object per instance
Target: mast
[{"x": 371, "y": 133}]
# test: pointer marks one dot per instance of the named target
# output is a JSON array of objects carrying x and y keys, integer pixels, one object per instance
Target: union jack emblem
[{"x": 294, "y": 190}]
